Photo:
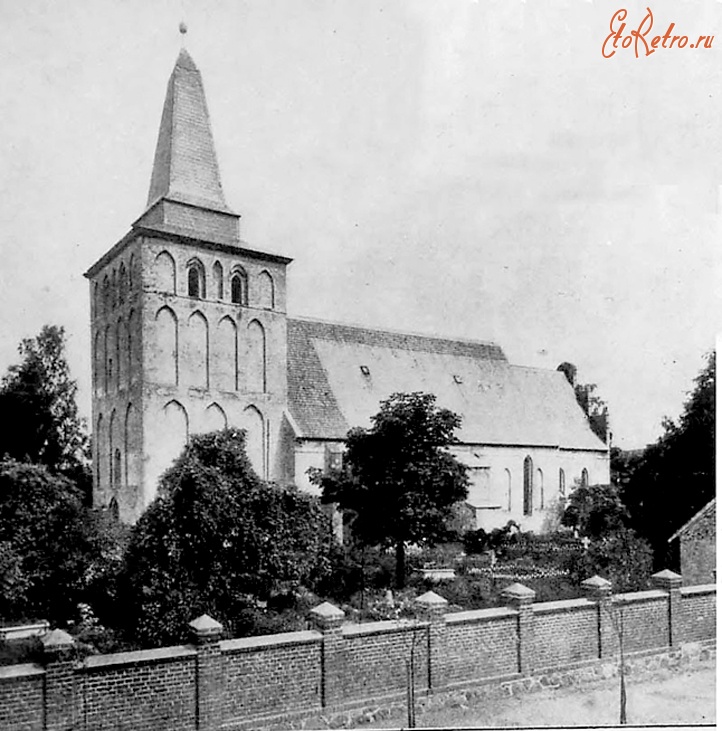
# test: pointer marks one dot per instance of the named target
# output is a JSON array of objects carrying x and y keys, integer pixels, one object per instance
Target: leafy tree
[
  {"x": 216, "y": 540},
  {"x": 47, "y": 544},
  {"x": 40, "y": 415},
  {"x": 595, "y": 510},
  {"x": 676, "y": 475},
  {"x": 398, "y": 482},
  {"x": 620, "y": 556}
]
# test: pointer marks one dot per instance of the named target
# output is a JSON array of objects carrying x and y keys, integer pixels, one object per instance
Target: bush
[{"x": 621, "y": 557}]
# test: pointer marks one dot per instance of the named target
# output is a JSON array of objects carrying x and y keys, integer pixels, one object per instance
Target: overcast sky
[{"x": 461, "y": 168}]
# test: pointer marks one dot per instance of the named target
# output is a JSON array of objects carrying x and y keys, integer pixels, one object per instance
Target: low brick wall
[{"x": 278, "y": 680}]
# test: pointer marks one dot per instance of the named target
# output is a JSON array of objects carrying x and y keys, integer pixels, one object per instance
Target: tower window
[
  {"x": 196, "y": 281},
  {"x": 239, "y": 288}
]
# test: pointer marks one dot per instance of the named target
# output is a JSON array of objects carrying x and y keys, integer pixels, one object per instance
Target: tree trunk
[{"x": 400, "y": 565}]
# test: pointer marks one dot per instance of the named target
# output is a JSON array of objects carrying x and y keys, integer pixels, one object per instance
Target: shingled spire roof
[{"x": 185, "y": 186}]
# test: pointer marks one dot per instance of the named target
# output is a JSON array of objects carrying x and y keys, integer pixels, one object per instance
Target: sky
[{"x": 465, "y": 168}]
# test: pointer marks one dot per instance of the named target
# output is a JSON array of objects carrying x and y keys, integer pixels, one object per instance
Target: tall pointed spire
[{"x": 185, "y": 168}]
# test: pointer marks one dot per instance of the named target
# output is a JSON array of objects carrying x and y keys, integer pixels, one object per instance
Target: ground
[{"x": 665, "y": 697}]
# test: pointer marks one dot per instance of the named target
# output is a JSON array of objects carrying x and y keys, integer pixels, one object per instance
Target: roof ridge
[{"x": 393, "y": 331}]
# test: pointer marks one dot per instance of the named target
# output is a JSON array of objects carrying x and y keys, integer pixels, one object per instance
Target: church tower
[{"x": 188, "y": 323}]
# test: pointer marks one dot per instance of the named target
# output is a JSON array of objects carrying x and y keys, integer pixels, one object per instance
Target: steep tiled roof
[{"x": 338, "y": 374}]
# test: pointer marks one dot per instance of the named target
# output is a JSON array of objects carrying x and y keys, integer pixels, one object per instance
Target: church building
[{"x": 190, "y": 334}]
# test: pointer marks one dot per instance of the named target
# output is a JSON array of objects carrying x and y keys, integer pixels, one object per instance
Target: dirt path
[{"x": 682, "y": 697}]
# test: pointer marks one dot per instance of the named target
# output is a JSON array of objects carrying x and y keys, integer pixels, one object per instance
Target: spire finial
[{"x": 183, "y": 28}]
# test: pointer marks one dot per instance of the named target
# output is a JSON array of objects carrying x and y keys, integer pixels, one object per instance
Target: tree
[
  {"x": 398, "y": 482},
  {"x": 595, "y": 510},
  {"x": 40, "y": 415},
  {"x": 216, "y": 540},
  {"x": 47, "y": 544},
  {"x": 676, "y": 475}
]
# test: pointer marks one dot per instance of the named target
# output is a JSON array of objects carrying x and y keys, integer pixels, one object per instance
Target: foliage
[
  {"x": 595, "y": 510},
  {"x": 622, "y": 557},
  {"x": 591, "y": 404},
  {"x": 398, "y": 482},
  {"x": 676, "y": 476},
  {"x": 217, "y": 540},
  {"x": 497, "y": 540},
  {"x": 47, "y": 544},
  {"x": 40, "y": 416}
]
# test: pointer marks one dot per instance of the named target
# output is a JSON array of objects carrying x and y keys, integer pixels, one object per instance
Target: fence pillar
[
  {"x": 431, "y": 608},
  {"x": 206, "y": 635},
  {"x": 521, "y": 597},
  {"x": 671, "y": 583},
  {"x": 599, "y": 590},
  {"x": 60, "y": 700},
  {"x": 328, "y": 619}
]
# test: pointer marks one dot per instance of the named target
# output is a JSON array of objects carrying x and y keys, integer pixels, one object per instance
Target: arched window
[
  {"x": 540, "y": 489},
  {"x": 196, "y": 280},
  {"x": 507, "y": 482},
  {"x": 218, "y": 280},
  {"x": 239, "y": 287},
  {"x": 562, "y": 482},
  {"x": 528, "y": 485},
  {"x": 585, "y": 478},
  {"x": 113, "y": 509}
]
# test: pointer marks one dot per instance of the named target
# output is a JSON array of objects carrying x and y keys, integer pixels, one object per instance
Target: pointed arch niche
[
  {"x": 266, "y": 291},
  {"x": 164, "y": 273},
  {"x": 195, "y": 361},
  {"x": 256, "y": 366},
  {"x": 224, "y": 364},
  {"x": 253, "y": 423},
  {"x": 214, "y": 418},
  {"x": 164, "y": 361},
  {"x": 133, "y": 444},
  {"x": 175, "y": 432}
]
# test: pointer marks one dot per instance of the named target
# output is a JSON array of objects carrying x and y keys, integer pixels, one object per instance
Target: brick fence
[{"x": 264, "y": 681}]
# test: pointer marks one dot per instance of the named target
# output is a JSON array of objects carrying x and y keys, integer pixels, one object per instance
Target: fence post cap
[
  {"x": 596, "y": 582},
  {"x": 327, "y": 611},
  {"x": 431, "y": 599},
  {"x": 206, "y": 625},
  {"x": 518, "y": 596},
  {"x": 56, "y": 641},
  {"x": 667, "y": 579}
]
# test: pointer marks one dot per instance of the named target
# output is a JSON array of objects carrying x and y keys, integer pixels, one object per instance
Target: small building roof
[
  {"x": 338, "y": 375},
  {"x": 707, "y": 510}
]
